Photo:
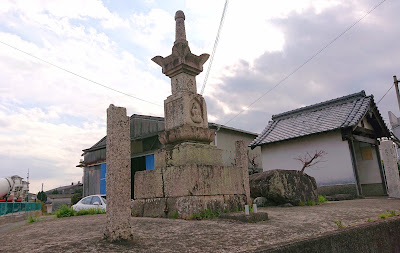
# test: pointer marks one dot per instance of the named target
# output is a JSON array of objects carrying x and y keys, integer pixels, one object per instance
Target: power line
[
  {"x": 385, "y": 94},
  {"x": 215, "y": 47},
  {"x": 307, "y": 61},
  {"x": 78, "y": 75}
]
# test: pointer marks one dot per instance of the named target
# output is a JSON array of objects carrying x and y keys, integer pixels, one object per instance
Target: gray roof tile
[{"x": 334, "y": 114}]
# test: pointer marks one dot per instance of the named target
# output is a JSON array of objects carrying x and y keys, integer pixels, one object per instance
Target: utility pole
[{"x": 396, "y": 85}]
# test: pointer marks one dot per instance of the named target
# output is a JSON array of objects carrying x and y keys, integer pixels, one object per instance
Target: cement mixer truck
[{"x": 13, "y": 189}]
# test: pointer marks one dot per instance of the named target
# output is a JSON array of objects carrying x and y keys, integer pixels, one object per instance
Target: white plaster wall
[
  {"x": 368, "y": 170},
  {"x": 337, "y": 168},
  {"x": 226, "y": 141}
]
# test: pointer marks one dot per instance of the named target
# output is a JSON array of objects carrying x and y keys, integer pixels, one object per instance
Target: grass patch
[
  {"x": 311, "y": 203},
  {"x": 90, "y": 211},
  {"x": 370, "y": 219},
  {"x": 32, "y": 219},
  {"x": 339, "y": 224},
  {"x": 383, "y": 215},
  {"x": 66, "y": 211},
  {"x": 301, "y": 203}
]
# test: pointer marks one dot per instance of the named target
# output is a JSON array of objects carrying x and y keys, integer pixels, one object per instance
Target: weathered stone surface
[
  {"x": 263, "y": 202},
  {"x": 251, "y": 218},
  {"x": 187, "y": 153},
  {"x": 242, "y": 162},
  {"x": 185, "y": 108},
  {"x": 283, "y": 186},
  {"x": 118, "y": 176},
  {"x": 187, "y": 133},
  {"x": 186, "y": 206},
  {"x": 155, "y": 207},
  {"x": 138, "y": 207},
  {"x": 197, "y": 180},
  {"x": 149, "y": 184},
  {"x": 389, "y": 160}
]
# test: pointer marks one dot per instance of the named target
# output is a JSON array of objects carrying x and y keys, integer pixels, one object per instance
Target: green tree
[
  {"x": 75, "y": 198},
  {"x": 42, "y": 196}
]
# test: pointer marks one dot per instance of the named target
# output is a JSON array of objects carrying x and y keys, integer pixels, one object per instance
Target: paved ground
[{"x": 84, "y": 233}]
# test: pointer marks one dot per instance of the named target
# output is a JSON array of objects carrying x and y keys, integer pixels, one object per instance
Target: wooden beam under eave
[{"x": 365, "y": 139}]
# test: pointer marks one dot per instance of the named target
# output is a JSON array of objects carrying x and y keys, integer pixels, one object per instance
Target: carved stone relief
[{"x": 196, "y": 113}]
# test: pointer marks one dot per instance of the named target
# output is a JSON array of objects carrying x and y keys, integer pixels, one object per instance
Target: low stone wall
[
  {"x": 338, "y": 189},
  {"x": 380, "y": 236}
]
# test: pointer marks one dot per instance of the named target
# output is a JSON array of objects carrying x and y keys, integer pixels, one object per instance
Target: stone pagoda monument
[{"x": 189, "y": 175}]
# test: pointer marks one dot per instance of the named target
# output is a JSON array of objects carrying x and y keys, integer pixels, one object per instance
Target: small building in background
[
  {"x": 144, "y": 143},
  {"x": 346, "y": 129}
]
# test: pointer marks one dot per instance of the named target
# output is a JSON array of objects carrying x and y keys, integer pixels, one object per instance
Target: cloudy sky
[{"x": 47, "y": 115}]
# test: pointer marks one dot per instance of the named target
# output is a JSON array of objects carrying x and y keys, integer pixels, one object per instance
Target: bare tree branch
[{"x": 308, "y": 161}]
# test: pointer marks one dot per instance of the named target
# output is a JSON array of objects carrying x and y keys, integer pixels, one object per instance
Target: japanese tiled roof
[{"x": 327, "y": 116}]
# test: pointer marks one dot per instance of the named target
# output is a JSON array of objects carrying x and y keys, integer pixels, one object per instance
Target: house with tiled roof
[{"x": 347, "y": 129}]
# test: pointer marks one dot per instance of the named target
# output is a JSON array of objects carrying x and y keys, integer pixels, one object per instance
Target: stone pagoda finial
[
  {"x": 181, "y": 60},
  {"x": 185, "y": 110},
  {"x": 180, "y": 33}
]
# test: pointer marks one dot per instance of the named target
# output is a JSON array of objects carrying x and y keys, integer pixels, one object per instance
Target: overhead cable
[
  {"x": 307, "y": 61},
  {"x": 78, "y": 75},
  {"x": 215, "y": 47}
]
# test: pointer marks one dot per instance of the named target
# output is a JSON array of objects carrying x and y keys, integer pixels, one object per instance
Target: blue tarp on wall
[
  {"x": 103, "y": 169},
  {"x": 150, "y": 162}
]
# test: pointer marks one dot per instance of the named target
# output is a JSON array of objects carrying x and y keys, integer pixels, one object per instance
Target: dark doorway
[{"x": 137, "y": 164}]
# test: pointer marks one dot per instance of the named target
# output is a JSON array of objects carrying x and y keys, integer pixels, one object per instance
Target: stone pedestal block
[
  {"x": 118, "y": 176},
  {"x": 187, "y": 206},
  {"x": 187, "y": 133},
  {"x": 188, "y": 153},
  {"x": 149, "y": 184},
  {"x": 185, "y": 108},
  {"x": 198, "y": 180}
]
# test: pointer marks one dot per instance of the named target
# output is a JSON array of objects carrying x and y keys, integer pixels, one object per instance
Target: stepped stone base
[
  {"x": 186, "y": 206},
  {"x": 189, "y": 177},
  {"x": 187, "y": 133}
]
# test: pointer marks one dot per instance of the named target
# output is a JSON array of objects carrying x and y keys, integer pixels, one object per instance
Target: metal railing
[{"x": 17, "y": 207}]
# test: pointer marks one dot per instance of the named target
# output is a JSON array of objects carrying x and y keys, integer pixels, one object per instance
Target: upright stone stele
[
  {"x": 389, "y": 160},
  {"x": 189, "y": 175},
  {"x": 118, "y": 178}
]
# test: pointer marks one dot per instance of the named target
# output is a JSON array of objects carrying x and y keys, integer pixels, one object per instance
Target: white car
[{"x": 92, "y": 201}]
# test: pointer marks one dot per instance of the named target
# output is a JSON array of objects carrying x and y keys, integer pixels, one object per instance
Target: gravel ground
[{"x": 84, "y": 233}]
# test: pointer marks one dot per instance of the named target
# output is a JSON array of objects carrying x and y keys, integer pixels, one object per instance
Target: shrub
[
  {"x": 383, "y": 216},
  {"x": 64, "y": 211},
  {"x": 301, "y": 203},
  {"x": 322, "y": 199},
  {"x": 75, "y": 198},
  {"x": 55, "y": 192}
]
